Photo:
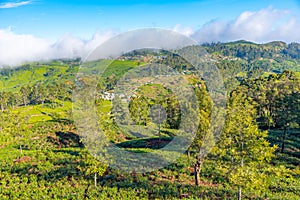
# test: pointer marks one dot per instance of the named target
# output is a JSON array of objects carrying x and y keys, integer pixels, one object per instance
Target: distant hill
[
  {"x": 252, "y": 51},
  {"x": 235, "y": 60}
]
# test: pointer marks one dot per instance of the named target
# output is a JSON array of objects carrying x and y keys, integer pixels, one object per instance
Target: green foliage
[
  {"x": 150, "y": 95},
  {"x": 243, "y": 148}
]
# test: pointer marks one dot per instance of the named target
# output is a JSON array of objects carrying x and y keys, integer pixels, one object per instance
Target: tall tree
[
  {"x": 243, "y": 149},
  {"x": 204, "y": 139}
]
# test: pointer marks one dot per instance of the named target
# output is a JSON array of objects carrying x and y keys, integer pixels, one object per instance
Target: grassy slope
[
  {"x": 52, "y": 171},
  {"x": 41, "y": 73},
  {"x": 57, "y": 71}
]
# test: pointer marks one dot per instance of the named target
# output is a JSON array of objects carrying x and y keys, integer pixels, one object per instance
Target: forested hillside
[{"x": 256, "y": 156}]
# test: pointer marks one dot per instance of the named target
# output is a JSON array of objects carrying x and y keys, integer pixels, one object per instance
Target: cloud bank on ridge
[
  {"x": 19, "y": 48},
  {"x": 262, "y": 26}
]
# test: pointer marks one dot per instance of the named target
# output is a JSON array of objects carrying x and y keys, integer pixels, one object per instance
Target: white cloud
[
  {"x": 14, "y": 4},
  {"x": 262, "y": 26},
  {"x": 69, "y": 46},
  {"x": 187, "y": 31},
  {"x": 15, "y": 48},
  {"x": 19, "y": 48}
]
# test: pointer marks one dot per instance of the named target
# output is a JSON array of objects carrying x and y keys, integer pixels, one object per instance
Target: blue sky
[
  {"x": 61, "y": 25},
  {"x": 51, "y": 19}
]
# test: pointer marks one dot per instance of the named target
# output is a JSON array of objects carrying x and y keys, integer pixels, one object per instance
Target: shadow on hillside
[
  {"x": 66, "y": 151},
  {"x": 65, "y": 139},
  {"x": 291, "y": 153},
  {"x": 69, "y": 139},
  {"x": 151, "y": 143}
]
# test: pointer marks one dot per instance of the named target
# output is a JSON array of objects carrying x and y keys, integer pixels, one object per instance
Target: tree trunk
[
  {"x": 197, "y": 170},
  {"x": 197, "y": 175},
  {"x": 188, "y": 153},
  {"x": 159, "y": 138},
  {"x": 240, "y": 193},
  {"x": 240, "y": 188},
  {"x": 95, "y": 179},
  {"x": 24, "y": 101},
  {"x": 21, "y": 151},
  {"x": 283, "y": 139}
]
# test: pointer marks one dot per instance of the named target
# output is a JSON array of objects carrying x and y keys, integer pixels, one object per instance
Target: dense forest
[{"x": 256, "y": 155}]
